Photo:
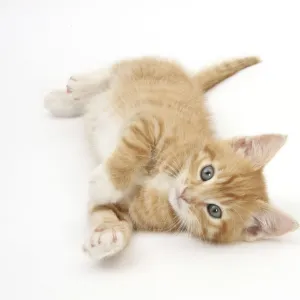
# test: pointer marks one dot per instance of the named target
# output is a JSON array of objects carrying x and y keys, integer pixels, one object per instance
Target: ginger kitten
[{"x": 159, "y": 166}]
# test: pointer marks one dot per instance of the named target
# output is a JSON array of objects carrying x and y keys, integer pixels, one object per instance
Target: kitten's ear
[
  {"x": 268, "y": 222},
  {"x": 259, "y": 149}
]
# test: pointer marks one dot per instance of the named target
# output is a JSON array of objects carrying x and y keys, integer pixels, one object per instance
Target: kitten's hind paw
[
  {"x": 104, "y": 242},
  {"x": 62, "y": 104},
  {"x": 82, "y": 88},
  {"x": 87, "y": 85},
  {"x": 77, "y": 83}
]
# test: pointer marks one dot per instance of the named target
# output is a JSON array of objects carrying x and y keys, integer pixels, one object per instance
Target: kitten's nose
[
  {"x": 183, "y": 196},
  {"x": 182, "y": 190}
]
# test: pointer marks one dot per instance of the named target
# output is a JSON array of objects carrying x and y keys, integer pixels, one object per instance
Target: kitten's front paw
[
  {"x": 104, "y": 242},
  {"x": 101, "y": 189}
]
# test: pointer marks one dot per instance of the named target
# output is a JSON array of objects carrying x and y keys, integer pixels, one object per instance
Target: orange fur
[
  {"x": 170, "y": 126},
  {"x": 166, "y": 143}
]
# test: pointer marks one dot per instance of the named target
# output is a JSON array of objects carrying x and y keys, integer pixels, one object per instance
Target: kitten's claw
[{"x": 104, "y": 243}]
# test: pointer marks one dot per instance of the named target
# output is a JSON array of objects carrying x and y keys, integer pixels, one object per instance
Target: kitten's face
[{"x": 220, "y": 195}]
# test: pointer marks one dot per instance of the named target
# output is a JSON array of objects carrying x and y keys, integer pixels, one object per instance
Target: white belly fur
[{"x": 103, "y": 126}]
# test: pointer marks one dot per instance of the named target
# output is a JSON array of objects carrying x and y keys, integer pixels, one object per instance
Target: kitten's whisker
[
  {"x": 235, "y": 211},
  {"x": 198, "y": 226},
  {"x": 176, "y": 223}
]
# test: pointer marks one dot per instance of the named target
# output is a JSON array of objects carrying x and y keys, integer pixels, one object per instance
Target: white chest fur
[{"x": 161, "y": 182}]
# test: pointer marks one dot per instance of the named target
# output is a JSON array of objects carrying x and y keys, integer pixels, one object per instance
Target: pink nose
[
  {"x": 182, "y": 191},
  {"x": 182, "y": 196}
]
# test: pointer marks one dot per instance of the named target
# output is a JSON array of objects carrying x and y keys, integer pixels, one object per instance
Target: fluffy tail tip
[{"x": 253, "y": 60}]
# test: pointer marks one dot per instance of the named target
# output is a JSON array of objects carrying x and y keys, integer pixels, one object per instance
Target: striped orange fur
[{"x": 165, "y": 144}]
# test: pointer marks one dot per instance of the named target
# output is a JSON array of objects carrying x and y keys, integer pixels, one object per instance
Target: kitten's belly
[
  {"x": 150, "y": 209},
  {"x": 103, "y": 126}
]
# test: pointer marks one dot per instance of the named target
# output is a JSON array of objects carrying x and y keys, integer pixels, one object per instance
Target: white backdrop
[{"x": 45, "y": 163}]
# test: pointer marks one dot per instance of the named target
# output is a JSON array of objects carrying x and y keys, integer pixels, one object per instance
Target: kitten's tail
[{"x": 216, "y": 74}]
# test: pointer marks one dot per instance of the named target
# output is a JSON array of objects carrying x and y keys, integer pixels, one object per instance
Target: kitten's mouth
[{"x": 177, "y": 198}]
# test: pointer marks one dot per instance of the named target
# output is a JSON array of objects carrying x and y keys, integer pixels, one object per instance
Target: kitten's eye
[
  {"x": 214, "y": 211},
  {"x": 207, "y": 173}
]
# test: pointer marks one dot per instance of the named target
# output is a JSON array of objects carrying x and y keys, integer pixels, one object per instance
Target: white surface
[{"x": 45, "y": 163}]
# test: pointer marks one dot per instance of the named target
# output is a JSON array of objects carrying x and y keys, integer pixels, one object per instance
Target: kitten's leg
[
  {"x": 94, "y": 75},
  {"x": 116, "y": 176},
  {"x": 109, "y": 234}
]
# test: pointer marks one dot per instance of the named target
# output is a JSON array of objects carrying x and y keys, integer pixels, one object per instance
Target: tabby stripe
[
  {"x": 137, "y": 131},
  {"x": 210, "y": 152},
  {"x": 133, "y": 147},
  {"x": 230, "y": 180}
]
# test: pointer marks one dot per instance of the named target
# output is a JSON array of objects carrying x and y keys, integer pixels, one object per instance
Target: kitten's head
[{"x": 220, "y": 195}]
